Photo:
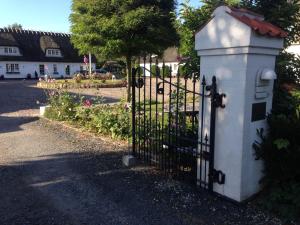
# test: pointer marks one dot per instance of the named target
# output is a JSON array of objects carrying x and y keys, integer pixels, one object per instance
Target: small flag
[{"x": 85, "y": 60}]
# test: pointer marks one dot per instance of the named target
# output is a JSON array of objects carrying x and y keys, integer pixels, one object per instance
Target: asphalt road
[{"x": 50, "y": 174}]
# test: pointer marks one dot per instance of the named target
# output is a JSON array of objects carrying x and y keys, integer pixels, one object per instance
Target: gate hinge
[
  {"x": 218, "y": 100},
  {"x": 218, "y": 177}
]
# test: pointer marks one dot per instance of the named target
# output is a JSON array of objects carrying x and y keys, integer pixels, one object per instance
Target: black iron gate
[{"x": 169, "y": 122}]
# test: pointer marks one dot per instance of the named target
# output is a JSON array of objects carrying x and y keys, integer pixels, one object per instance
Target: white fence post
[{"x": 242, "y": 58}]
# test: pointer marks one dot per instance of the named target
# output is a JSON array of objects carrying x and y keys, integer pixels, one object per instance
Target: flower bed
[
  {"x": 70, "y": 84},
  {"x": 89, "y": 114}
]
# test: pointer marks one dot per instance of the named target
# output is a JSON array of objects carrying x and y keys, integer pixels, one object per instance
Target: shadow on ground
[
  {"x": 17, "y": 95},
  {"x": 88, "y": 188},
  {"x": 21, "y": 95},
  {"x": 12, "y": 124}
]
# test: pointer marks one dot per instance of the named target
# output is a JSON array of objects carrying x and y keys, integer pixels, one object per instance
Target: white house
[
  {"x": 171, "y": 58},
  {"x": 26, "y": 53},
  {"x": 294, "y": 49}
]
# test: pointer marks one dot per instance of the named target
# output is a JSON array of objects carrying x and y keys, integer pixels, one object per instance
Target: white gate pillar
[{"x": 239, "y": 48}]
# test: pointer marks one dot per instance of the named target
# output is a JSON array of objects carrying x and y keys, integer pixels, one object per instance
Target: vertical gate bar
[
  {"x": 194, "y": 97},
  {"x": 203, "y": 85},
  {"x": 185, "y": 101},
  {"x": 163, "y": 155},
  {"x": 149, "y": 155},
  {"x": 177, "y": 154},
  {"x": 156, "y": 109},
  {"x": 159, "y": 143},
  {"x": 144, "y": 111},
  {"x": 212, "y": 132},
  {"x": 133, "y": 72},
  {"x": 184, "y": 122},
  {"x": 205, "y": 163},
  {"x": 139, "y": 111},
  {"x": 170, "y": 120}
]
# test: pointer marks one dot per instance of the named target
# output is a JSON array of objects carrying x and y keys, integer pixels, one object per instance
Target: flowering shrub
[
  {"x": 100, "y": 76},
  {"x": 91, "y": 114},
  {"x": 88, "y": 83},
  {"x": 63, "y": 105},
  {"x": 78, "y": 78}
]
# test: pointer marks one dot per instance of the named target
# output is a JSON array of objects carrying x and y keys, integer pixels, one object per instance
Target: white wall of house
[
  {"x": 26, "y": 68},
  {"x": 174, "y": 66},
  {"x": 294, "y": 49}
]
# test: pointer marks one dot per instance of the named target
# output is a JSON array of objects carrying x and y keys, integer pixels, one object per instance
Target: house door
[
  {"x": 42, "y": 69},
  {"x": 67, "y": 70}
]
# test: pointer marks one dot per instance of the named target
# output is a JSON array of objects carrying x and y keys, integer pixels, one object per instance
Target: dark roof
[
  {"x": 257, "y": 23},
  {"x": 170, "y": 55},
  {"x": 33, "y": 45}
]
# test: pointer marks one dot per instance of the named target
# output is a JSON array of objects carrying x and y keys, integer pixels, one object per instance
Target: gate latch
[{"x": 218, "y": 177}]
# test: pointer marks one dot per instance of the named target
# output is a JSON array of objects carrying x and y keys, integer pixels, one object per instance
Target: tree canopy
[
  {"x": 15, "y": 26},
  {"x": 190, "y": 20},
  {"x": 123, "y": 28},
  {"x": 283, "y": 13}
]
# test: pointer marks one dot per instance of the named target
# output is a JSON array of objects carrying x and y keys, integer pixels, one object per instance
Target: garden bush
[
  {"x": 160, "y": 71},
  {"x": 155, "y": 71},
  {"x": 111, "y": 120},
  {"x": 280, "y": 151},
  {"x": 288, "y": 67},
  {"x": 78, "y": 78},
  {"x": 90, "y": 114},
  {"x": 165, "y": 72},
  {"x": 63, "y": 105}
]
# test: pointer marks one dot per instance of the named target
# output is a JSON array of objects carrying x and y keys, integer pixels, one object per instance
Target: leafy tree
[
  {"x": 123, "y": 28},
  {"x": 283, "y": 13},
  {"x": 15, "y": 26},
  {"x": 191, "y": 19}
]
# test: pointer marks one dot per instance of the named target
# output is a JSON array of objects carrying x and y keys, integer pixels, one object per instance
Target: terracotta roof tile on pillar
[{"x": 257, "y": 23}]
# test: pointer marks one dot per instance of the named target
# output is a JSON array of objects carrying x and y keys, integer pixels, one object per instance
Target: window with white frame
[
  {"x": 12, "y": 68},
  {"x": 5, "y": 50},
  {"x": 53, "y": 53}
]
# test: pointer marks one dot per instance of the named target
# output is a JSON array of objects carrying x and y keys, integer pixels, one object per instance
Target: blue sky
[{"x": 46, "y": 15}]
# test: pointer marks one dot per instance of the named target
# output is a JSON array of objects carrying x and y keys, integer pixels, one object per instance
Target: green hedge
[{"x": 280, "y": 151}]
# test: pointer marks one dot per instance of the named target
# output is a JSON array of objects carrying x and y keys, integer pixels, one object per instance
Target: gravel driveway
[{"x": 50, "y": 174}]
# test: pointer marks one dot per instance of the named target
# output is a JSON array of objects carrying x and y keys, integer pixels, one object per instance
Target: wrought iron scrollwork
[
  {"x": 169, "y": 128},
  {"x": 139, "y": 83},
  {"x": 160, "y": 90},
  {"x": 196, "y": 77}
]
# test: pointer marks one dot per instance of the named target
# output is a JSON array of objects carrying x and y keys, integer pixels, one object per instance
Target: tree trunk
[{"x": 129, "y": 78}]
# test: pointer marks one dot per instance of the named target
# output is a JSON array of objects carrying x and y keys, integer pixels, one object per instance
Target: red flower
[{"x": 87, "y": 103}]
